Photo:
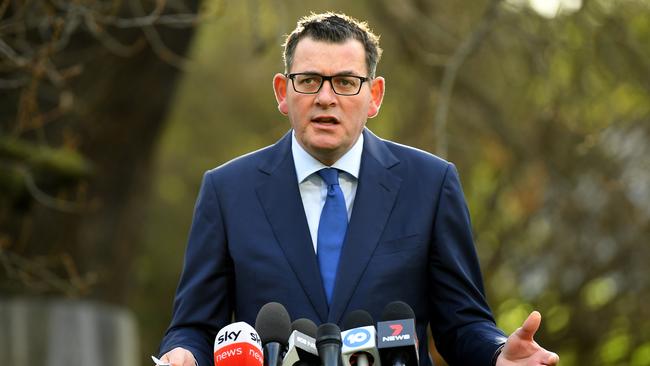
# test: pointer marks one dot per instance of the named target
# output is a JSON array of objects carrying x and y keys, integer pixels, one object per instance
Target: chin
[
  {"x": 323, "y": 141},
  {"x": 320, "y": 150}
]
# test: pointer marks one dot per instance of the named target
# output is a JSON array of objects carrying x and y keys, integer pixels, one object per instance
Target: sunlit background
[{"x": 543, "y": 105}]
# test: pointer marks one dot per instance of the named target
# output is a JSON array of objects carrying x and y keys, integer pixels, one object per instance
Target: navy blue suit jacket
[{"x": 409, "y": 238}]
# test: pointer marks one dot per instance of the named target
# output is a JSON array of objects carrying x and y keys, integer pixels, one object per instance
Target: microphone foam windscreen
[
  {"x": 305, "y": 326},
  {"x": 357, "y": 319},
  {"x": 328, "y": 332},
  {"x": 273, "y": 323},
  {"x": 397, "y": 310}
]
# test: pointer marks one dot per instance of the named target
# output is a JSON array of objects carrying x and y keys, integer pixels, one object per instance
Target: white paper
[{"x": 160, "y": 363}]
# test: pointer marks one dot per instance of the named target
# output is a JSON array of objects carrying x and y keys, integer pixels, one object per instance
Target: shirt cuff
[{"x": 496, "y": 355}]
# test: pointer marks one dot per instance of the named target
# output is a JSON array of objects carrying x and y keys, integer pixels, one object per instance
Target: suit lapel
[
  {"x": 280, "y": 197},
  {"x": 373, "y": 203}
]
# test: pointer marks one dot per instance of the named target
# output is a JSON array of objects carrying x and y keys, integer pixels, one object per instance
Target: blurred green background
[{"x": 544, "y": 106}]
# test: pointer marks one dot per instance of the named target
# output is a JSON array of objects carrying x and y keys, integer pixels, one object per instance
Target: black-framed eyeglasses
[{"x": 310, "y": 83}]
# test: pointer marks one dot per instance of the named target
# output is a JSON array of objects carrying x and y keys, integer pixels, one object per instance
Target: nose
[{"x": 326, "y": 96}]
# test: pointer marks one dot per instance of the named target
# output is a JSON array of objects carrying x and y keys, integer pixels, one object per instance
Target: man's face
[{"x": 328, "y": 124}]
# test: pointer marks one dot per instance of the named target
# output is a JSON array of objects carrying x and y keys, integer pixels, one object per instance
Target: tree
[
  {"x": 548, "y": 124},
  {"x": 86, "y": 87}
]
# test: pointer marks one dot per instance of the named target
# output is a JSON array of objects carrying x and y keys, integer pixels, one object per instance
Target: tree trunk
[{"x": 118, "y": 111}]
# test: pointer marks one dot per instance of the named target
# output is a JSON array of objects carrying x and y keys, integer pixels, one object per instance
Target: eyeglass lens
[{"x": 311, "y": 83}]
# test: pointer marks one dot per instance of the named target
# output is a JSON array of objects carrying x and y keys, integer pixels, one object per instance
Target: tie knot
[{"x": 330, "y": 176}]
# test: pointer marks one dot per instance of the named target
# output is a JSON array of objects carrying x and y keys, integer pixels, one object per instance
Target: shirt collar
[{"x": 307, "y": 165}]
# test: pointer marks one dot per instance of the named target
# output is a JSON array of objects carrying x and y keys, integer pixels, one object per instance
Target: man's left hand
[{"x": 521, "y": 350}]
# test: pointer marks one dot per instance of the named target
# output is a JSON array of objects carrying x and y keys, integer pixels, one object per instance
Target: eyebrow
[{"x": 340, "y": 73}]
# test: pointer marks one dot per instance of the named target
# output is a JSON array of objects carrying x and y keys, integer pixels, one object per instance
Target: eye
[
  {"x": 346, "y": 82},
  {"x": 308, "y": 79}
]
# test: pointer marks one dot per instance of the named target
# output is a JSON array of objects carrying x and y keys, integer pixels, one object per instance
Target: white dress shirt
[{"x": 313, "y": 189}]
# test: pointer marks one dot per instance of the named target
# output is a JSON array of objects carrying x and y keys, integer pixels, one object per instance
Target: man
[{"x": 332, "y": 219}]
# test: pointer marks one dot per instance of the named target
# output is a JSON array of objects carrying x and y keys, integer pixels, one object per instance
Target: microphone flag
[{"x": 238, "y": 344}]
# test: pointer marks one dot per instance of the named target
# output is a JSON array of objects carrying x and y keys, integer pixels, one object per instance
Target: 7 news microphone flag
[{"x": 396, "y": 337}]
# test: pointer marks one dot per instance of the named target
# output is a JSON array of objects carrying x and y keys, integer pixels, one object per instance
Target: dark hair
[{"x": 336, "y": 28}]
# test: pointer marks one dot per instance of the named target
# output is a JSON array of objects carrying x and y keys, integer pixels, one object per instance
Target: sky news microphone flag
[{"x": 238, "y": 344}]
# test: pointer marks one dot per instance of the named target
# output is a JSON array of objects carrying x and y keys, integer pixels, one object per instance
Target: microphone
[
  {"x": 302, "y": 345},
  {"x": 328, "y": 343},
  {"x": 359, "y": 340},
  {"x": 238, "y": 344},
  {"x": 274, "y": 326},
  {"x": 396, "y": 337},
  {"x": 305, "y": 326}
]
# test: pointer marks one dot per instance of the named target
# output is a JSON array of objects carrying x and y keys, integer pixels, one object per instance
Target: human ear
[
  {"x": 280, "y": 90},
  {"x": 377, "y": 89}
]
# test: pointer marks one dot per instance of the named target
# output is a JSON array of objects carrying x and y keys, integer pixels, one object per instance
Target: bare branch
[
  {"x": 47, "y": 200},
  {"x": 109, "y": 42},
  {"x": 157, "y": 45},
  {"x": 419, "y": 26},
  {"x": 39, "y": 273},
  {"x": 469, "y": 45},
  {"x": 11, "y": 54}
]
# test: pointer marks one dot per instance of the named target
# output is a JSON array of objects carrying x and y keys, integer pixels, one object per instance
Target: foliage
[
  {"x": 547, "y": 120},
  {"x": 546, "y": 117},
  {"x": 76, "y": 135}
]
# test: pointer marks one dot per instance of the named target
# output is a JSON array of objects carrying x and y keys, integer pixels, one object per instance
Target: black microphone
[
  {"x": 396, "y": 337},
  {"x": 305, "y": 326},
  {"x": 359, "y": 340},
  {"x": 302, "y": 345},
  {"x": 328, "y": 343},
  {"x": 274, "y": 327}
]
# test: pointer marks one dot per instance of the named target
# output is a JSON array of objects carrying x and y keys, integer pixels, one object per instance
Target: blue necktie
[{"x": 331, "y": 230}]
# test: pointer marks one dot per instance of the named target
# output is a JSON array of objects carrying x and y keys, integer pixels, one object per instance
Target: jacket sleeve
[
  {"x": 203, "y": 301},
  {"x": 461, "y": 321}
]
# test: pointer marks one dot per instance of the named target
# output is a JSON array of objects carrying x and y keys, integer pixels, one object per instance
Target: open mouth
[{"x": 325, "y": 120}]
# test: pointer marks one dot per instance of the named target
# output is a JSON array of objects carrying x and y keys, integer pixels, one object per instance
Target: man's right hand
[{"x": 179, "y": 357}]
